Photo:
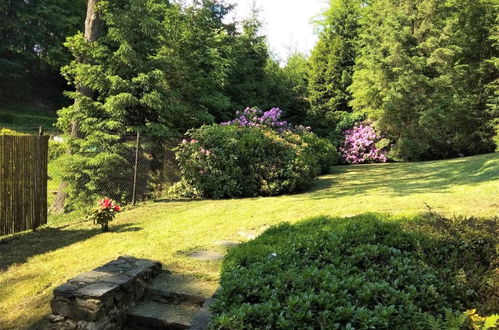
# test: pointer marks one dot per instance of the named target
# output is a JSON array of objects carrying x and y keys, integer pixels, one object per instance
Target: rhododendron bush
[
  {"x": 359, "y": 146},
  {"x": 255, "y": 154}
]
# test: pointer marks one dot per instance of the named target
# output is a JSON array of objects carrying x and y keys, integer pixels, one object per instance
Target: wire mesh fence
[
  {"x": 142, "y": 168},
  {"x": 132, "y": 178}
]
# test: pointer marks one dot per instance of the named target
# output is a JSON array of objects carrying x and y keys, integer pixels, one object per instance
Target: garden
[{"x": 354, "y": 187}]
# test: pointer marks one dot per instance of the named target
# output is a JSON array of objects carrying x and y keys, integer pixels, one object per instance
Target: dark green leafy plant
[
  {"x": 422, "y": 72},
  {"x": 367, "y": 272}
]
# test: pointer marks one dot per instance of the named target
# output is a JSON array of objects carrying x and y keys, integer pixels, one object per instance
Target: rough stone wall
[{"x": 100, "y": 299}]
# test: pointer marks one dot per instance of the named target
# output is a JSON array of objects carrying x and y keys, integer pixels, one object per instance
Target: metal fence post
[{"x": 135, "y": 168}]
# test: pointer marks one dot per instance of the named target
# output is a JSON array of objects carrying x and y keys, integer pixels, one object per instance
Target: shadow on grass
[
  {"x": 400, "y": 179},
  {"x": 19, "y": 248}
]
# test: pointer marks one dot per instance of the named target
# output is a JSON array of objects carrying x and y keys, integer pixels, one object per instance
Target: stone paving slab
[
  {"x": 176, "y": 288},
  {"x": 228, "y": 244},
  {"x": 202, "y": 319},
  {"x": 163, "y": 316},
  {"x": 206, "y": 255}
]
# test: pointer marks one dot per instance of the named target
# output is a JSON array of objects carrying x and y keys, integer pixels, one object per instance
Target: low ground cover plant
[
  {"x": 367, "y": 272},
  {"x": 254, "y": 155}
]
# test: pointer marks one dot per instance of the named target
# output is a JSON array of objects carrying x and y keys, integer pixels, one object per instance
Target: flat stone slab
[
  {"x": 252, "y": 234},
  {"x": 206, "y": 255},
  {"x": 202, "y": 320},
  {"x": 228, "y": 244},
  {"x": 249, "y": 234},
  {"x": 97, "y": 290},
  {"x": 162, "y": 316},
  {"x": 175, "y": 288}
]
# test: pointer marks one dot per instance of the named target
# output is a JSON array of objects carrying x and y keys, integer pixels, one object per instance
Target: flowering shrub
[
  {"x": 105, "y": 212},
  {"x": 255, "y": 154},
  {"x": 359, "y": 146},
  {"x": 223, "y": 161}
]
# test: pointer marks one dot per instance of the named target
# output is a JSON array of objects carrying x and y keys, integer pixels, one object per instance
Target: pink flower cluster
[
  {"x": 201, "y": 150},
  {"x": 359, "y": 146}
]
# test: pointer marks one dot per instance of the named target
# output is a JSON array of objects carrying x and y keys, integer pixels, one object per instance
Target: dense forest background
[{"x": 423, "y": 73}]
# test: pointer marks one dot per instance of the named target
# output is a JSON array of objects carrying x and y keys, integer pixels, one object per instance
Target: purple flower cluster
[
  {"x": 256, "y": 117},
  {"x": 359, "y": 146}
]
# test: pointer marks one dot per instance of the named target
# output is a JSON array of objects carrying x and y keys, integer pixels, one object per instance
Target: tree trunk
[{"x": 93, "y": 30}]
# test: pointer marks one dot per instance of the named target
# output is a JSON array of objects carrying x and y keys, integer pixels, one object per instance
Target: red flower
[
  {"x": 117, "y": 208},
  {"x": 106, "y": 203}
]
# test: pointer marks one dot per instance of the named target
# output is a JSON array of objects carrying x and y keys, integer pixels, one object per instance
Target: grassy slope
[
  {"x": 28, "y": 117},
  {"x": 33, "y": 264}
]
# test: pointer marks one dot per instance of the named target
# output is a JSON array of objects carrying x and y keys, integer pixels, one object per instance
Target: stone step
[
  {"x": 173, "y": 288},
  {"x": 150, "y": 315}
]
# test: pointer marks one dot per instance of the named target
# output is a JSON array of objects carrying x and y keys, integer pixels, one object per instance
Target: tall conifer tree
[
  {"x": 331, "y": 68},
  {"x": 422, "y": 72}
]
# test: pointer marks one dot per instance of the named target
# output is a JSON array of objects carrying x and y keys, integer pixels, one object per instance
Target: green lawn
[
  {"x": 33, "y": 264},
  {"x": 27, "y": 118}
]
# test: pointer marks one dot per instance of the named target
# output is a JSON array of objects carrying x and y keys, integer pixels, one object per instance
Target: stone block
[
  {"x": 99, "y": 299},
  {"x": 66, "y": 290},
  {"x": 97, "y": 290}
]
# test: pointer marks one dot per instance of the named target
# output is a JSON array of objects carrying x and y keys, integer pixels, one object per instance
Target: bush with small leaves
[{"x": 366, "y": 272}]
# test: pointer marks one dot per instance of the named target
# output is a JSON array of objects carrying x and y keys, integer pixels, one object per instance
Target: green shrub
[
  {"x": 234, "y": 161},
  {"x": 6, "y": 131},
  {"x": 366, "y": 272},
  {"x": 99, "y": 169},
  {"x": 57, "y": 149},
  {"x": 323, "y": 150}
]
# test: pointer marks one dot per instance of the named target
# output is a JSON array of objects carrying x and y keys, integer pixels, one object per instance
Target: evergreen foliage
[
  {"x": 422, "y": 72},
  {"x": 366, "y": 272},
  {"x": 32, "y": 34},
  {"x": 126, "y": 70},
  {"x": 331, "y": 69}
]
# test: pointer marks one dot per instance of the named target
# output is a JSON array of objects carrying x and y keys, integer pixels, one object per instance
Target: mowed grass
[{"x": 33, "y": 264}]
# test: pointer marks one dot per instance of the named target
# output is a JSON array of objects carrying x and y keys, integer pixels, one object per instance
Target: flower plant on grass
[{"x": 104, "y": 212}]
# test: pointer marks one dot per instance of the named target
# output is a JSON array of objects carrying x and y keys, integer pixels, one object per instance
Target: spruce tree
[{"x": 158, "y": 75}]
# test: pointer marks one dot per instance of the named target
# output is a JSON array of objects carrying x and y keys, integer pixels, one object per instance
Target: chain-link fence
[
  {"x": 132, "y": 178},
  {"x": 140, "y": 168}
]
